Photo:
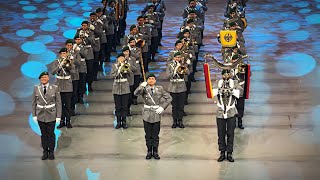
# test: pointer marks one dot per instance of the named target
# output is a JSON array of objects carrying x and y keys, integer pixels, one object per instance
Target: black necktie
[
  {"x": 152, "y": 91},
  {"x": 44, "y": 90}
]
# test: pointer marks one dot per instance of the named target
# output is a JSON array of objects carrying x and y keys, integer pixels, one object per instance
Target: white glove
[
  {"x": 99, "y": 21},
  {"x": 144, "y": 84},
  {"x": 190, "y": 55},
  {"x": 188, "y": 61},
  {"x": 159, "y": 110},
  {"x": 92, "y": 27},
  {"x": 58, "y": 120},
  {"x": 35, "y": 119},
  {"x": 103, "y": 16},
  {"x": 151, "y": 21},
  {"x": 71, "y": 57}
]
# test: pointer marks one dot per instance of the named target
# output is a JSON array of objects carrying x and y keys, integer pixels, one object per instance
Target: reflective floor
[{"x": 281, "y": 139}]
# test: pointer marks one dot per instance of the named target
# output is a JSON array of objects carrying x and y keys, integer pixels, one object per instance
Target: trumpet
[
  {"x": 182, "y": 69},
  {"x": 140, "y": 43},
  {"x": 242, "y": 68},
  {"x": 125, "y": 68},
  {"x": 66, "y": 63}
]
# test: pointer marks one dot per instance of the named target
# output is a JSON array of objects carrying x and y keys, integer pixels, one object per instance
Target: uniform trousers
[
  {"x": 121, "y": 103},
  {"x": 145, "y": 61},
  {"x": 240, "y": 106},
  {"x": 66, "y": 105},
  {"x": 130, "y": 100},
  {"x": 48, "y": 138},
  {"x": 82, "y": 85},
  {"x": 89, "y": 77},
  {"x": 74, "y": 98},
  {"x": 178, "y": 105},
  {"x": 109, "y": 46},
  {"x": 226, "y": 128},
  {"x": 152, "y": 131},
  {"x": 96, "y": 65}
]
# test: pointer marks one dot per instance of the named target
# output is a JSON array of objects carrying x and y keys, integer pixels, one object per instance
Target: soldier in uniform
[
  {"x": 145, "y": 32},
  {"x": 198, "y": 23},
  {"x": 121, "y": 90},
  {"x": 153, "y": 108},
  {"x": 75, "y": 58},
  {"x": 136, "y": 54},
  {"x": 63, "y": 68},
  {"x": 177, "y": 88},
  {"x": 100, "y": 34},
  {"x": 87, "y": 39},
  {"x": 46, "y": 111},
  {"x": 152, "y": 20},
  {"x": 80, "y": 50},
  {"x": 131, "y": 61},
  {"x": 192, "y": 7},
  {"x": 234, "y": 18},
  {"x": 178, "y": 45},
  {"x": 239, "y": 79},
  {"x": 108, "y": 22},
  {"x": 227, "y": 94}
]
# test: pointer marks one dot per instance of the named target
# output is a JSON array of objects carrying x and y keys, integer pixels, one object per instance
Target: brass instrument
[
  {"x": 182, "y": 69},
  {"x": 140, "y": 42},
  {"x": 66, "y": 62},
  {"x": 125, "y": 68},
  {"x": 242, "y": 68}
]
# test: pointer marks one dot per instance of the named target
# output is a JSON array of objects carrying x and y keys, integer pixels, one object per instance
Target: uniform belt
[
  {"x": 120, "y": 80},
  {"x": 82, "y": 59},
  {"x": 96, "y": 38},
  {"x": 63, "y": 77},
  {"x": 88, "y": 46},
  {"x": 151, "y": 107},
  {"x": 176, "y": 80},
  {"x": 46, "y": 106}
]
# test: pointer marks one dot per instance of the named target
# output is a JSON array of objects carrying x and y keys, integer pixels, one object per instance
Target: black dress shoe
[
  {"x": 174, "y": 125},
  {"x": 124, "y": 124},
  {"x": 149, "y": 155},
  {"x": 129, "y": 114},
  {"x": 156, "y": 155},
  {"x": 62, "y": 124},
  {"x": 81, "y": 101},
  {"x": 45, "y": 155},
  {"x": 240, "y": 126},
  {"x": 118, "y": 126},
  {"x": 69, "y": 125},
  {"x": 159, "y": 44},
  {"x": 229, "y": 157},
  {"x": 186, "y": 102},
  {"x": 222, "y": 157},
  {"x": 51, "y": 155},
  {"x": 73, "y": 113},
  {"x": 180, "y": 124},
  {"x": 90, "y": 89}
]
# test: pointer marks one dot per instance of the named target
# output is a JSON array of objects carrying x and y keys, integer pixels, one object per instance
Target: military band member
[
  {"x": 197, "y": 23},
  {"x": 46, "y": 111},
  {"x": 131, "y": 61},
  {"x": 100, "y": 35},
  {"x": 145, "y": 32},
  {"x": 227, "y": 94},
  {"x": 239, "y": 76},
  {"x": 192, "y": 7},
  {"x": 63, "y": 68},
  {"x": 121, "y": 90},
  {"x": 159, "y": 9},
  {"x": 177, "y": 72},
  {"x": 111, "y": 12},
  {"x": 153, "y": 108},
  {"x": 178, "y": 45},
  {"x": 192, "y": 50},
  {"x": 136, "y": 54},
  {"x": 152, "y": 20},
  {"x": 75, "y": 58},
  {"x": 80, "y": 49},
  {"x": 109, "y": 29},
  {"x": 87, "y": 39},
  {"x": 233, "y": 17}
]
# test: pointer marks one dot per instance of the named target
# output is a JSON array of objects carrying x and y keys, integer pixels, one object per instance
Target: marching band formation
[{"x": 82, "y": 58}]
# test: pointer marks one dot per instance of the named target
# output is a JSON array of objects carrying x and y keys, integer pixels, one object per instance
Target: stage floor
[{"x": 281, "y": 139}]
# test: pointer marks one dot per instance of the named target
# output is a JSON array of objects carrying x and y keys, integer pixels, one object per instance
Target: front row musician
[
  {"x": 227, "y": 94},
  {"x": 177, "y": 71},
  {"x": 46, "y": 110},
  {"x": 121, "y": 72},
  {"x": 152, "y": 111},
  {"x": 63, "y": 67}
]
